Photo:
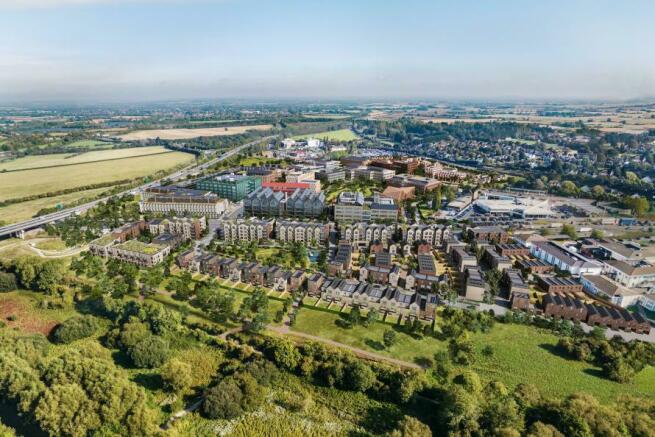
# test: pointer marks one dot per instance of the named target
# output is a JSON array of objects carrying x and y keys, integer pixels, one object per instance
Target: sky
[{"x": 145, "y": 50}]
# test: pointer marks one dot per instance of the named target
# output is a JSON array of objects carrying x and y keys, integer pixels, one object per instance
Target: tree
[
  {"x": 176, "y": 376},
  {"x": 411, "y": 427},
  {"x": 354, "y": 317},
  {"x": 461, "y": 349},
  {"x": 597, "y": 234},
  {"x": 233, "y": 396},
  {"x": 569, "y": 188},
  {"x": 75, "y": 328},
  {"x": 152, "y": 351},
  {"x": 65, "y": 409},
  {"x": 358, "y": 376},
  {"x": 50, "y": 275},
  {"x": 7, "y": 281},
  {"x": 26, "y": 270},
  {"x": 389, "y": 337},
  {"x": 569, "y": 229},
  {"x": 371, "y": 317},
  {"x": 151, "y": 280},
  {"x": 637, "y": 204}
]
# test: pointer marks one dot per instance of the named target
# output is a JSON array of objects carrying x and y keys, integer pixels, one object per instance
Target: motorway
[{"x": 36, "y": 222}]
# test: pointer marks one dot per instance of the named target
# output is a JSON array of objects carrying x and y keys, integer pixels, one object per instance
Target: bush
[
  {"x": 233, "y": 396},
  {"x": 152, "y": 351},
  {"x": 75, "y": 328}
]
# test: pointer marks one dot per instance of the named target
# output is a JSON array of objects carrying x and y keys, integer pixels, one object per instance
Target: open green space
[
  {"x": 50, "y": 180},
  {"x": 333, "y": 135},
  {"x": 521, "y": 354}
]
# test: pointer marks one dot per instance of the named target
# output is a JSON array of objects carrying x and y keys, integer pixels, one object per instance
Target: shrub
[{"x": 76, "y": 328}]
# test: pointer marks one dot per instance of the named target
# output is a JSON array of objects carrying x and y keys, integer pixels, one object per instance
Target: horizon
[{"x": 149, "y": 51}]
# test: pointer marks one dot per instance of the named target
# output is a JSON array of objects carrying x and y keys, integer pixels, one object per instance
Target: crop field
[
  {"x": 333, "y": 135},
  {"x": 44, "y": 161},
  {"x": 520, "y": 354},
  {"x": 26, "y": 210},
  {"x": 182, "y": 134},
  {"x": 48, "y": 180}
]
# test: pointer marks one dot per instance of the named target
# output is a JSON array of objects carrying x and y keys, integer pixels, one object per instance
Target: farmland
[
  {"x": 521, "y": 354},
  {"x": 54, "y": 160},
  {"x": 334, "y": 135},
  {"x": 182, "y": 134},
  {"x": 53, "y": 179}
]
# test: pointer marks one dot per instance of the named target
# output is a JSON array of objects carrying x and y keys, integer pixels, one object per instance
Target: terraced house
[
  {"x": 431, "y": 234},
  {"x": 363, "y": 234}
]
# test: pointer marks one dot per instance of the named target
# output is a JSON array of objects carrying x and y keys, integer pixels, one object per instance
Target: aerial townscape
[{"x": 282, "y": 256}]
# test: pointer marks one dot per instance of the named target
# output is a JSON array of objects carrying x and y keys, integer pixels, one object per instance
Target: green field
[
  {"x": 333, "y": 135},
  {"x": 26, "y": 210},
  {"x": 47, "y": 180},
  {"x": 521, "y": 354}
]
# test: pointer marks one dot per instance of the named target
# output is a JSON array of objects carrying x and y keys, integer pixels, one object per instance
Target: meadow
[
  {"x": 521, "y": 354},
  {"x": 333, "y": 135},
  {"x": 49, "y": 180},
  {"x": 182, "y": 134}
]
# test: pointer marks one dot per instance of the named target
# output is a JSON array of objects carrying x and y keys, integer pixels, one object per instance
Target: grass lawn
[
  {"x": 521, "y": 354},
  {"x": 333, "y": 135},
  {"x": 51, "y": 244},
  {"x": 25, "y": 307},
  {"x": 89, "y": 143},
  {"x": 47, "y": 180}
]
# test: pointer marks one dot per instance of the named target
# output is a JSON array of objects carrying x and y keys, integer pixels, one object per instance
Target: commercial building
[
  {"x": 337, "y": 174},
  {"x": 399, "y": 165},
  {"x": 182, "y": 201},
  {"x": 352, "y": 207},
  {"x": 511, "y": 206},
  {"x": 399, "y": 194},
  {"x": 373, "y": 173},
  {"x": 614, "y": 292},
  {"x": 420, "y": 183},
  {"x": 564, "y": 259},
  {"x": 251, "y": 229},
  {"x": 631, "y": 274},
  {"x": 310, "y": 233},
  {"x": 230, "y": 186}
]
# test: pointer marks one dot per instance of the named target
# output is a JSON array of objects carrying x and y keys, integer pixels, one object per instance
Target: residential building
[
  {"x": 188, "y": 227},
  {"x": 364, "y": 234},
  {"x": 534, "y": 266},
  {"x": 302, "y": 203},
  {"x": 136, "y": 252},
  {"x": 432, "y": 234},
  {"x": 462, "y": 259},
  {"x": 399, "y": 194},
  {"x": 554, "y": 284},
  {"x": 474, "y": 285},
  {"x": 341, "y": 264},
  {"x": 521, "y": 301},
  {"x": 182, "y": 201},
  {"x": 399, "y": 165},
  {"x": 310, "y": 233},
  {"x": 495, "y": 260},
  {"x": 494, "y": 234},
  {"x": 230, "y": 186},
  {"x": 251, "y": 229},
  {"x": 512, "y": 250},
  {"x": 129, "y": 230}
]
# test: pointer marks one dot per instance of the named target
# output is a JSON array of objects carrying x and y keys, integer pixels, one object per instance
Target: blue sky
[{"x": 114, "y": 50}]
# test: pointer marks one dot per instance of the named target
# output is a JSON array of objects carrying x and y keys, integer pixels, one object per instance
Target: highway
[{"x": 36, "y": 222}]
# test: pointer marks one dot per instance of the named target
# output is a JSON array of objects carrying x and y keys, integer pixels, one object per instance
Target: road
[{"x": 36, "y": 222}]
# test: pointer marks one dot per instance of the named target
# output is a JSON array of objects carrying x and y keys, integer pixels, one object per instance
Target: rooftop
[{"x": 139, "y": 247}]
